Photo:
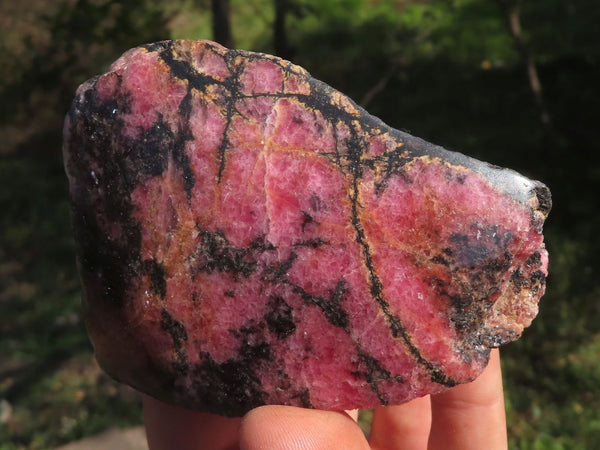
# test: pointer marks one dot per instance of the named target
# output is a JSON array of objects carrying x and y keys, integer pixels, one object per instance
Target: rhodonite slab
[{"x": 247, "y": 235}]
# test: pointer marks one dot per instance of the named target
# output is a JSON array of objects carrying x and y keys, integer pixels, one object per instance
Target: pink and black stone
[{"x": 247, "y": 235}]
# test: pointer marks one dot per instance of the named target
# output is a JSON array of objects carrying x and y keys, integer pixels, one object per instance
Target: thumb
[{"x": 291, "y": 428}]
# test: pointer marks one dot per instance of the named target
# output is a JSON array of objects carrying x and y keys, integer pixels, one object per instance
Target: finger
[
  {"x": 290, "y": 428},
  {"x": 402, "y": 427},
  {"x": 352, "y": 413},
  {"x": 471, "y": 416},
  {"x": 169, "y": 427}
]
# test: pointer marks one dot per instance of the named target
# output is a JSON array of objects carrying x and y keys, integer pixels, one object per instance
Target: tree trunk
[
  {"x": 280, "y": 41},
  {"x": 512, "y": 12},
  {"x": 221, "y": 22}
]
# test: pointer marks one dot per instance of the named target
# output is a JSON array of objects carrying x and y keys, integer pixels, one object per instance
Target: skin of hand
[{"x": 468, "y": 416}]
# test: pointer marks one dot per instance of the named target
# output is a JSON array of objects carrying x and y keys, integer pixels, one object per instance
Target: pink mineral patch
[
  {"x": 247, "y": 235},
  {"x": 261, "y": 77}
]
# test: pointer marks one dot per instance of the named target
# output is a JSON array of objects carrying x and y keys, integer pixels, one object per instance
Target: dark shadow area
[{"x": 445, "y": 71}]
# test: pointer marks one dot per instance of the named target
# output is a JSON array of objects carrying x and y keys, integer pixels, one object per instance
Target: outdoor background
[{"x": 513, "y": 83}]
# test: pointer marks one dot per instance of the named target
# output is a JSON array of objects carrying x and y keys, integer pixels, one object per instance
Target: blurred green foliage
[{"x": 445, "y": 70}]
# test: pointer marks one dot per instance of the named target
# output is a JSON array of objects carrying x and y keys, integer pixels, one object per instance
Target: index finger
[{"x": 471, "y": 416}]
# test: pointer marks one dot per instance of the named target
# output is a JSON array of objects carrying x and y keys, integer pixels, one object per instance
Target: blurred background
[{"x": 515, "y": 83}]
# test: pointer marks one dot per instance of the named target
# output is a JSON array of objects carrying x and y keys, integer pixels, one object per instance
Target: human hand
[{"x": 469, "y": 416}]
